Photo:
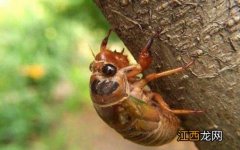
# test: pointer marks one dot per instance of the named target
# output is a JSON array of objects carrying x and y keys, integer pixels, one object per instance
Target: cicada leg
[
  {"x": 163, "y": 105},
  {"x": 154, "y": 76},
  {"x": 135, "y": 71},
  {"x": 105, "y": 41},
  {"x": 144, "y": 58},
  {"x": 131, "y": 72}
]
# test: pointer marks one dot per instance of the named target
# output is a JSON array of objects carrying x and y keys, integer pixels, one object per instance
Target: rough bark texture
[{"x": 208, "y": 28}]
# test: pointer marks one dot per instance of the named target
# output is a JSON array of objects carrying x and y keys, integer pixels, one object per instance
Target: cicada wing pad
[{"x": 142, "y": 109}]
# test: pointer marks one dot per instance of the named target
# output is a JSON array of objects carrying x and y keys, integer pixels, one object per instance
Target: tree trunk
[{"x": 207, "y": 29}]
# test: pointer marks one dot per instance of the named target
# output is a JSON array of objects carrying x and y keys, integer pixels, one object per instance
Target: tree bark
[{"x": 207, "y": 29}]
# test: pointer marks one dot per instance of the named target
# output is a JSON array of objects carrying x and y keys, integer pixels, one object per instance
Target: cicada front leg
[
  {"x": 105, "y": 41},
  {"x": 144, "y": 59}
]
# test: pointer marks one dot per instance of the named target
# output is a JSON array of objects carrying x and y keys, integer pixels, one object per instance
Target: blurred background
[{"x": 44, "y": 74}]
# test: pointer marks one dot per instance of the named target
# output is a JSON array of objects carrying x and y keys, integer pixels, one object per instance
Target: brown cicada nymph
[{"x": 121, "y": 100}]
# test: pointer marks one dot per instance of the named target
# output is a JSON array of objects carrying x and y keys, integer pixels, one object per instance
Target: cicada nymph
[{"x": 121, "y": 100}]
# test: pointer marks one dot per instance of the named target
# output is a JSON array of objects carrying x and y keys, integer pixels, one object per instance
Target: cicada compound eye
[
  {"x": 109, "y": 70},
  {"x": 91, "y": 67}
]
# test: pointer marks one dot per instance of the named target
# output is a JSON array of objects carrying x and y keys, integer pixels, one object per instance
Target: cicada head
[{"x": 108, "y": 82}]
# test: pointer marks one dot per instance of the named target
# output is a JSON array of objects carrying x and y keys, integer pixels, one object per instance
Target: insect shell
[{"x": 121, "y": 100}]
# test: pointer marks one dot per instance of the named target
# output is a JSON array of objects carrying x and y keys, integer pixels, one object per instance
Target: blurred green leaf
[{"x": 42, "y": 44}]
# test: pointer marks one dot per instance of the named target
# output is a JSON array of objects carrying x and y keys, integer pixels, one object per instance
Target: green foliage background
[{"x": 56, "y": 35}]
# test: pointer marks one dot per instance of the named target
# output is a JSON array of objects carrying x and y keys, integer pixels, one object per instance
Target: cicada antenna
[{"x": 92, "y": 51}]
